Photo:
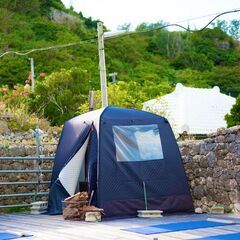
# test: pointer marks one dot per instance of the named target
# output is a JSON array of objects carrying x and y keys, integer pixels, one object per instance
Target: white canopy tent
[{"x": 194, "y": 110}]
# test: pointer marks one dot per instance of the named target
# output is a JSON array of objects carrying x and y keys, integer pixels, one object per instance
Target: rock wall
[{"x": 213, "y": 169}]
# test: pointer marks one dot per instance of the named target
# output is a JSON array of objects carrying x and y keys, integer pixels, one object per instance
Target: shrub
[{"x": 234, "y": 117}]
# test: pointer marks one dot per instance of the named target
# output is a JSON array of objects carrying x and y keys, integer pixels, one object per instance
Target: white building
[{"x": 195, "y": 110}]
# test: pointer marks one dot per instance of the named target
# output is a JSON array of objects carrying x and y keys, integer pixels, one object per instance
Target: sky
[{"x": 114, "y": 13}]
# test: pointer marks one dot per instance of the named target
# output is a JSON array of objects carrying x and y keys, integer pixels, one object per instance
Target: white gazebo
[{"x": 194, "y": 110}]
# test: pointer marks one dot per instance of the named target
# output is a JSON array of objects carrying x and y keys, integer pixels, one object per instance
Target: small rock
[
  {"x": 234, "y": 129},
  {"x": 198, "y": 210},
  {"x": 198, "y": 192},
  {"x": 211, "y": 158},
  {"x": 209, "y": 182},
  {"x": 220, "y": 139},
  {"x": 231, "y": 138},
  {"x": 221, "y": 131}
]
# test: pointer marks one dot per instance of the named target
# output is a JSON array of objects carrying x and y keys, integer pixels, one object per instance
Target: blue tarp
[
  {"x": 173, "y": 227},
  {"x": 8, "y": 235},
  {"x": 232, "y": 236}
]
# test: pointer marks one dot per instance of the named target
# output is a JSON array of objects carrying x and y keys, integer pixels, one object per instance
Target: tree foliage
[
  {"x": 59, "y": 95},
  {"x": 234, "y": 117},
  {"x": 123, "y": 94},
  {"x": 232, "y": 28}
]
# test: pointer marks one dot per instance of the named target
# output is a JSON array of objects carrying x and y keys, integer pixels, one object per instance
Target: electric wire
[
  {"x": 201, "y": 17},
  {"x": 173, "y": 25},
  {"x": 26, "y": 52},
  {"x": 219, "y": 15}
]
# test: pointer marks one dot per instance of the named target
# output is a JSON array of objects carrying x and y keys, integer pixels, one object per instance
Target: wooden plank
[
  {"x": 69, "y": 231},
  {"x": 55, "y": 228},
  {"x": 232, "y": 228}
]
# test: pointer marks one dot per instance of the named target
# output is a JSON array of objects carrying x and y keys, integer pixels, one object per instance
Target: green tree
[
  {"x": 223, "y": 25},
  {"x": 216, "y": 45},
  {"x": 14, "y": 69},
  {"x": 228, "y": 79},
  {"x": 234, "y": 117},
  {"x": 125, "y": 26},
  {"x": 58, "y": 97},
  {"x": 234, "y": 28},
  {"x": 123, "y": 94},
  {"x": 6, "y": 20},
  {"x": 196, "y": 61},
  {"x": 30, "y": 7},
  {"x": 150, "y": 26}
]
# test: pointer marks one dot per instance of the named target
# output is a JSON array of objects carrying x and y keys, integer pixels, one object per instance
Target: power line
[
  {"x": 201, "y": 17},
  {"x": 175, "y": 25},
  {"x": 26, "y": 52},
  {"x": 220, "y": 14}
]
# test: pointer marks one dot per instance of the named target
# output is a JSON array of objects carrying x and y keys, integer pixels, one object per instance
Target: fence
[
  {"x": 11, "y": 177},
  {"x": 37, "y": 182}
]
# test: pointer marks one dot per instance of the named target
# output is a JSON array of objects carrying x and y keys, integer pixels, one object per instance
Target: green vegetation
[
  {"x": 148, "y": 64},
  {"x": 15, "y": 102},
  {"x": 234, "y": 117},
  {"x": 60, "y": 94}
]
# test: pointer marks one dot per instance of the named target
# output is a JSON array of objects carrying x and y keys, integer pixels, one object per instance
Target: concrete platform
[{"x": 46, "y": 227}]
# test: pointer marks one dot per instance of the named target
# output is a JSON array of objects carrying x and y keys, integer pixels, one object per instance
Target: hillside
[
  {"x": 147, "y": 64},
  {"x": 33, "y": 24}
]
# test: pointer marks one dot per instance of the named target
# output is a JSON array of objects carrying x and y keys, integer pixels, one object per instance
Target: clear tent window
[{"x": 137, "y": 143}]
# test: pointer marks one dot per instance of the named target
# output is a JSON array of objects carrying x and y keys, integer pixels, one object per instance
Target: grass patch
[{"x": 15, "y": 210}]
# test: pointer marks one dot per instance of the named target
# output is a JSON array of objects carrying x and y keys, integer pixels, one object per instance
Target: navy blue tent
[{"x": 115, "y": 150}]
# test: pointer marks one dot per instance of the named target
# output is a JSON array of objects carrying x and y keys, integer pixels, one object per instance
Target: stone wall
[
  {"x": 213, "y": 169},
  {"x": 212, "y": 166}
]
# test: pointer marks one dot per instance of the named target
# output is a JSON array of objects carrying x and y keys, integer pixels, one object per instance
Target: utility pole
[
  {"x": 32, "y": 73},
  {"x": 91, "y": 100},
  {"x": 102, "y": 65}
]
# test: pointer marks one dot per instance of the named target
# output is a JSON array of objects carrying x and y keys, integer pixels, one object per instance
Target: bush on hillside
[
  {"x": 59, "y": 95},
  {"x": 234, "y": 117}
]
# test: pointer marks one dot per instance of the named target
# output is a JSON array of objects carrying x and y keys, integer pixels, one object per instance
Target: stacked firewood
[{"x": 73, "y": 206}]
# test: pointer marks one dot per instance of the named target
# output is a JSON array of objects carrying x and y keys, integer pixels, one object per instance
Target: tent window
[{"x": 137, "y": 143}]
